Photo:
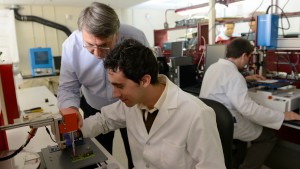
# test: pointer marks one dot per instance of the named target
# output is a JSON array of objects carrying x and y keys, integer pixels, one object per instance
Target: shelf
[
  {"x": 226, "y": 2},
  {"x": 236, "y": 20},
  {"x": 177, "y": 28},
  {"x": 218, "y": 21}
]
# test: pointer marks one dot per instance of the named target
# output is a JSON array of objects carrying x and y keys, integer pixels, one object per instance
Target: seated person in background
[
  {"x": 184, "y": 133},
  {"x": 224, "y": 83},
  {"x": 251, "y": 34},
  {"x": 226, "y": 34},
  {"x": 252, "y": 25}
]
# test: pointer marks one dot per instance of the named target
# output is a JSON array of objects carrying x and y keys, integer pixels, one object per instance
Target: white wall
[
  {"x": 149, "y": 20},
  {"x": 249, "y": 6},
  {"x": 31, "y": 34},
  {"x": 8, "y": 39}
]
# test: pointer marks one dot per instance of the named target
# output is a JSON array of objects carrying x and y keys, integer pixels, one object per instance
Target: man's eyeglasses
[{"x": 94, "y": 47}]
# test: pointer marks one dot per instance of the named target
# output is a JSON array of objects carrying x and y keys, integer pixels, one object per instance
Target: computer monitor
[
  {"x": 177, "y": 48},
  {"x": 41, "y": 61},
  {"x": 188, "y": 76},
  {"x": 213, "y": 53}
]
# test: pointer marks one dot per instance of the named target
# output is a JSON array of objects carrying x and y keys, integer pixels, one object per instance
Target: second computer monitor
[{"x": 213, "y": 53}]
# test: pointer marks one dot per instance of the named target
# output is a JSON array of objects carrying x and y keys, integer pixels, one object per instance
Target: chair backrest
[{"x": 225, "y": 127}]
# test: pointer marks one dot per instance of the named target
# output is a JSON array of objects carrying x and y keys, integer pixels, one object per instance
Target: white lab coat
[
  {"x": 224, "y": 83},
  {"x": 184, "y": 134}
]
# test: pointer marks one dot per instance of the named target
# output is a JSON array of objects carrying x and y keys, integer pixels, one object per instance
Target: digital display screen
[{"x": 41, "y": 58}]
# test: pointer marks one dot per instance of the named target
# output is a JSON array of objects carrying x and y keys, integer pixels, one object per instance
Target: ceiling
[{"x": 117, "y": 4}]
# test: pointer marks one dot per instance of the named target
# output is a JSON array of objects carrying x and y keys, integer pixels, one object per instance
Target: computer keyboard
[
  {"x": 293, "y": 122},
  {"x": 272, "y": 85}
]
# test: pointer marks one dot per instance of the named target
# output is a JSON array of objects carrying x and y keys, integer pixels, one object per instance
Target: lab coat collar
[
  {"x": 169, "y": 105},
  {"x": 227, "y": 62}
]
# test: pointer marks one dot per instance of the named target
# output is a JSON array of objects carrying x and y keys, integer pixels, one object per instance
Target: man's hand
[
  {"x": 72, "y": 109},
  {"x": 291, "y": 116},
  {"x": 255, "y": 77}
]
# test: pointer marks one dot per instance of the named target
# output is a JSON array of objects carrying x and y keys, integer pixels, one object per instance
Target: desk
[
  {"x": 51, "y": 82},
  {"x": 35, "y": 97}
]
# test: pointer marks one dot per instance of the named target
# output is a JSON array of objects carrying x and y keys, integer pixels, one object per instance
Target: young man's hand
[
  {"x": 255, "y": 77},
  {"x": 291, "y": 116}
]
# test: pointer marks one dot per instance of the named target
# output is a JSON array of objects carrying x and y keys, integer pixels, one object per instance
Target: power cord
[
  {"x": 0, "y": 57},
  {"x": 50, "y": 134},
  {"x": 252, "y": 18},
  {"x": 282, "y": 14},
  {"x": 31, "y": 134}
]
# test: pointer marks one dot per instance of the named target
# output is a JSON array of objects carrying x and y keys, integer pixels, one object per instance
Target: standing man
[
  {"x": 83, "y": 80},
  {"x": 224, "y": 83},
  {"x": 226, "y": 33},
  {"x": 167, "y": 127}
]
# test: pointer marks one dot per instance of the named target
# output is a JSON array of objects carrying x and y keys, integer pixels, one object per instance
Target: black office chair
[{"x": 225, "y": 127}]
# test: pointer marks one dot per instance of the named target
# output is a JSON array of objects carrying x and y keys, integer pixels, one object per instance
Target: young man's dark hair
[
  {"x": 134, "y": 60},
  {"x": 237, "y": 47}
]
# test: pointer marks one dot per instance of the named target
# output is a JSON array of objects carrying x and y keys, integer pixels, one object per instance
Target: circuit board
[
  {"x": 87, "y": 154},
  {"x": 82, "y": 156}
]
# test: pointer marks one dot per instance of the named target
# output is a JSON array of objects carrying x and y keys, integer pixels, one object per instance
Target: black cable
[
  {"x": 50, "y": 134},
  {"x": 281, "y": 20},
  {"x": 0, "y": 57},
  {"x": 282, "y": 13},
  {"x": 30, "y": 136},
  {"x": 285, "y": 4}
]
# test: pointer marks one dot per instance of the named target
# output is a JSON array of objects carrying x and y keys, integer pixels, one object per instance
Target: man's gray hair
[{"x": 99, "y": 20}]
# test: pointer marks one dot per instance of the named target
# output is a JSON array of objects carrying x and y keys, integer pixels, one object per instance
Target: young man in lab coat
[
  {"x": 224, "y": 83},
  {"x": 184, "y": 133}
]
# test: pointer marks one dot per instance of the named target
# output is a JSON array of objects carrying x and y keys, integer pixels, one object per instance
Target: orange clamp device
[{"x": 69, "y": 122}]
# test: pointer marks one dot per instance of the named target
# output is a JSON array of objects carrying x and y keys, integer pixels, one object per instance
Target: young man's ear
[
  {"x": 145, "y": 81},
  {"x": 245, "y": 55}
]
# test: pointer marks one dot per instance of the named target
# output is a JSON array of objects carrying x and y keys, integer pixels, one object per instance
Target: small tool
[{"x": 34, "y": 110}]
